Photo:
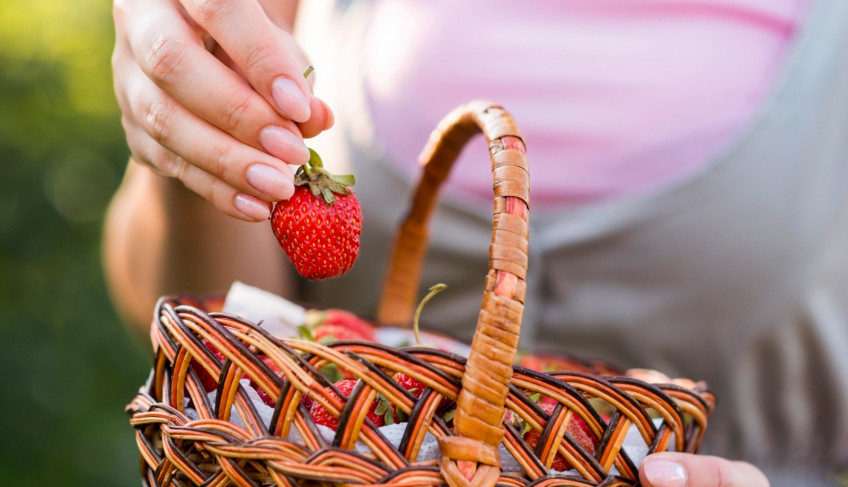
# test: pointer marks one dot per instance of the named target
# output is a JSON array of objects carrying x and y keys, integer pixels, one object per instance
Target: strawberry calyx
[{"x": 321, "y": 183}]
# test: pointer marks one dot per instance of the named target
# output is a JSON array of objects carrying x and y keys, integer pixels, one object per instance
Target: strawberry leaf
[
  {"x": 344, "y": 179},
  {"x": 332, "y": 372},
  {"x": 402, "y": 416},
  {"x": 383, "y": 405},
  {"x": 336, "y": 187},
  {"x": 448, "y": 416},
  {"x": 306, "y": 333},
  {"x": 328, "y": 195},
  {"x": 314, "y": 159}
]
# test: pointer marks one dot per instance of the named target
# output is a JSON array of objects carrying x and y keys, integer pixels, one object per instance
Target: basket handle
[{"x": 471, "y": 458}]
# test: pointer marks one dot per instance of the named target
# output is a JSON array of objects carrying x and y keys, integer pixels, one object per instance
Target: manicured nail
[
  {"x": 270, "y": 181},
  {"x": 290, "y": 100},
  {"x": 665, "y": 473},
  {"x": 252, "y": 207},
  {"x": 284, "y": 145}
]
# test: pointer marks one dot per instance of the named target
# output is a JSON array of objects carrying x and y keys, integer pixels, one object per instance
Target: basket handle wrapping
[{"x": 471, "y": 458}]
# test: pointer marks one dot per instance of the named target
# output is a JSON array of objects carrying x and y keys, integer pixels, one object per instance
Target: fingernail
[
  {"x": 665, "y": 473},
  {"x": 252, "y": 208},
  {"x": 269, "y": 181},
  {"x": 290, "y": 99},
  {"x": 284, "y": 145}
]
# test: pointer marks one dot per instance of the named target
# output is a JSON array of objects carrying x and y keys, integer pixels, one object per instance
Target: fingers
[
  {"x": 188, "y": 115},
  {"x": 172, "y": 55},
  {"x": 220, "y": 194},
  {"x": 268, "y": 56},
  {"x": 687, "y": 470},
  {"x": 221, "y": 169},
  {"x": 321, "y": 120}
]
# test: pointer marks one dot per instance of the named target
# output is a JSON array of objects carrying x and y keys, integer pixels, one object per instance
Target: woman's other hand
[
  {"x": 687, "y": 470},
  {"x": 212, "y": 93}
]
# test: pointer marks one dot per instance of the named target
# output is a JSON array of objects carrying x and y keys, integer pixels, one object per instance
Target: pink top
[{"x": 613, "y": 96}]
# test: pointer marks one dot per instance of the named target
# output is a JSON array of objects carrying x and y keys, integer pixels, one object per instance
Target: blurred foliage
[{"x": 68, "y": 365}]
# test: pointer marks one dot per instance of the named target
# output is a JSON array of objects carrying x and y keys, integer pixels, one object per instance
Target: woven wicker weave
[{"x": 212, "y": 450}]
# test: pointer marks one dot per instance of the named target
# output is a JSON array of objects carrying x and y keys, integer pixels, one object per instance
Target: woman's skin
[{"x": 215, "y": 107}]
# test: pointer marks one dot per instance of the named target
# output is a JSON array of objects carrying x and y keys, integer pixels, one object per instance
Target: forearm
[{"x": 161, "y": 238}]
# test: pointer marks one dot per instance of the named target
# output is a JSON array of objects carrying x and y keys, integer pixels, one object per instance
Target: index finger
[{"x": 269, "y": 57}]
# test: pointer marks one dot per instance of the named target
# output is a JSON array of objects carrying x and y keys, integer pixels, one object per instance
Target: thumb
[{"x": 688, "y": 470}]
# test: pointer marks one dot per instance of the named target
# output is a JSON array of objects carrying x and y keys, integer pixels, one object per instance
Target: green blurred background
[{"x": 67, "y": 366}]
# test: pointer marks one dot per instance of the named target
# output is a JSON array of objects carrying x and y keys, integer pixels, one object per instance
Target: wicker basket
[{"x": 212, "y": 450}]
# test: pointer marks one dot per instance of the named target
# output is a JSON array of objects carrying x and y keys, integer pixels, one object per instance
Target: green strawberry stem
[
  {"x": 321, "y": 182},
  {"x": 434, "y": 290}
]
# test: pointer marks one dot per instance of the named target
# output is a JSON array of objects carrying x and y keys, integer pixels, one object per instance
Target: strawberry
[
  {"x": 381, "y": 412},
  {"x": 209, "y": 384},
  {"x": 333, "y": 333},
  {"x": 358, "y": 328},
  {"x": 559, "y": 464},
  {"x": 577, "y": 428},
  {"x": 268, "y": 400},
  {"x": 319, "y": 226},
  {"x": 414, "y": 386},
  {"x": 546, "y": 363}
]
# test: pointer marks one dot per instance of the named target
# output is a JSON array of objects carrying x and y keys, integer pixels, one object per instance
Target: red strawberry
[
  {"x": 268, "y": 400},
  {"x": 337, "y": 317},
  {"x": 380, "y": 412},
  {"x": 542, "y": 363},
  {"x": 209, "y": 384},
  {"x": 333, "y": 333},
  {"x": 414, "y": 386},
  {"x": 319, "y": 226},
  {"x": 559, "y": 464},
  {"x": 577, "y": 428}
]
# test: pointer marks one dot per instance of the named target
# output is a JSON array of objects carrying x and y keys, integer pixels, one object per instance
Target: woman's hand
[
  {"x": 212, "y": 93},
  {"x": 687, "y": 470}
]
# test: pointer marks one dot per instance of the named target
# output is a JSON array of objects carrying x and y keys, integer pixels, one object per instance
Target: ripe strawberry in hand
[{"x": 319, "y": 226}]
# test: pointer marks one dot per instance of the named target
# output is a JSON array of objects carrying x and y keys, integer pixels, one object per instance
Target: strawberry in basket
[
  {"x": 336, "y": 324},
  {"x": 381, "y": 412},
  {"x": 319, "y": 226},
  {"x": 577, "y": 429}
]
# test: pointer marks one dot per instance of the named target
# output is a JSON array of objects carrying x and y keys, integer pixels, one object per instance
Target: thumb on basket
[{"x": 688, "y": 470}]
